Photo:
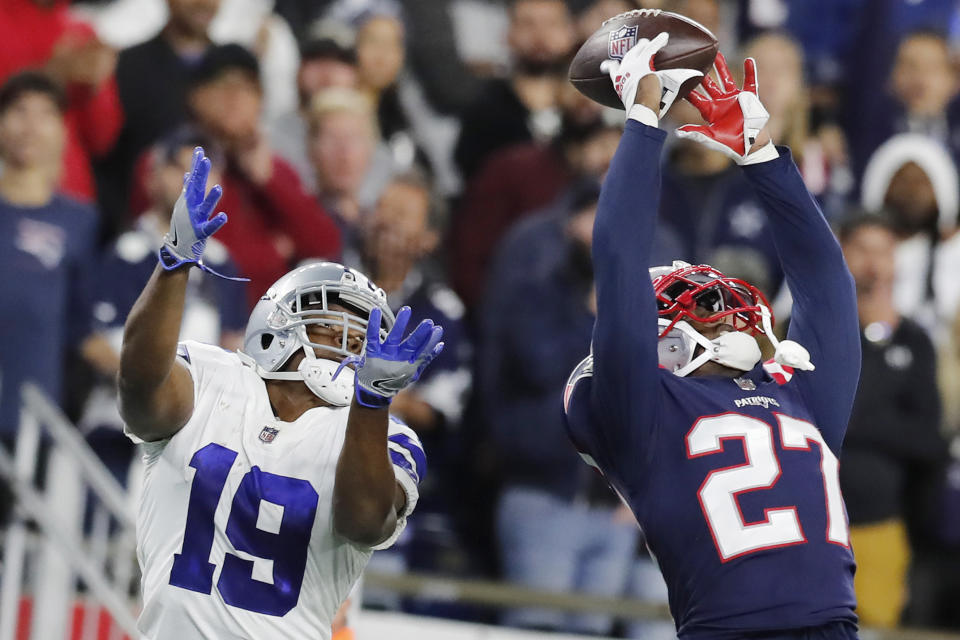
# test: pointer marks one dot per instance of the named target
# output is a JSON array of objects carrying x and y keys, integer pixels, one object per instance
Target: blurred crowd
[{"x": 437, "y": 146}]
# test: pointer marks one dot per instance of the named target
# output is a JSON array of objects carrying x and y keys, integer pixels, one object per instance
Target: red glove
[{"x": 735, "y": 117}]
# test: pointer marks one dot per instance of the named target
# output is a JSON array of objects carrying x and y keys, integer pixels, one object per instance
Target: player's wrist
[
  {"x": 757, "y": 155},
  {"x": 649, "y": 91},
  {"x": 763, "y": 139},
  {"x": 370, "y": 399},
  {"x": 171, "y": 260},
  {"x": 644, "y": 115}
]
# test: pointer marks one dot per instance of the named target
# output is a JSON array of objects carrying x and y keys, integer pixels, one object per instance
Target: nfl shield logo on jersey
[
  {"x": 268, "y": 434},
  {"x": 621, "y": 41}
]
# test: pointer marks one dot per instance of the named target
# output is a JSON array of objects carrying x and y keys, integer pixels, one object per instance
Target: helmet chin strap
[
  {"x": 788, "y": 352},
  {"x": 739, "y": 350},
  {"x": 319, "y": 374},
  {"x": 733, "y": 349}
]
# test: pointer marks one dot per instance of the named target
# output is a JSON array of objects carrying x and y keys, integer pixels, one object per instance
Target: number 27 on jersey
[{"x": 720, "y": 489}]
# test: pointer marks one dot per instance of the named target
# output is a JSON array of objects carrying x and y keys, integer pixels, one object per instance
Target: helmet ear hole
[{"x": 266, "y": 339}]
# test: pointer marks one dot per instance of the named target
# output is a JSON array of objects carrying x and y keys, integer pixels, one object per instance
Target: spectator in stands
[
  {"x": 923, "y": 88},
  {"x": 706, "y": 12},
  {"x": 253, "y": 24},
  {"x": 39, "y": 33},
  {"x": 326, "y": 61},
  {"x": 216, "y": 311},
  {"x": 399, "y": 236},
  {"x": 301, "y": 14},
  {"x": 847, "y": 42},
  {"x": 935, "y": 572},
  {"x": 343, "y": 140},
  {"x": 454, "y": 39},
  {"x": 820, "y": 153},
  {"x": 274, "y": 222},
  {"x": 49, "y": 246},
  {"x": 914, "y": 181},
  {"x": 524, "y": 106},
  {"x": 381, "y": 53},
  {"x": 893, "y": 441},
  {"x": 412, "y": 129},
  {"x": 558, "y": 525},
  {"x": 589, "y": 19},
  {"x": 406, "y": 121},
  {"x": 924, "y": 83},
  {"x": 152, "y": 79},
  {"x": 519, "y": 180}
]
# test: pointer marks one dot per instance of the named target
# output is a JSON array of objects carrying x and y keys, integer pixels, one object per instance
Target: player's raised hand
[
  {"x": 388, "y": 367},
  {"x": 638, "y": 63},
  {"x": 734, "y": 116},
  {"x": 190, "y": 223}
]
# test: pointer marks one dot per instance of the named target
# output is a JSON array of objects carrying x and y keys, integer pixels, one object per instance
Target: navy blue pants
[{"x": 833, "y": 631}]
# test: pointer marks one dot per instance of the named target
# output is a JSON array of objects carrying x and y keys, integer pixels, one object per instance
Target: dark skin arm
[
  {"x": 366, "y": 495},
  {"x": 155, "y": 389}
]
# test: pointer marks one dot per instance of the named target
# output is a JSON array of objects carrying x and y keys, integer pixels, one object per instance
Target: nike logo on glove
[{"x": 381, "y": 386}]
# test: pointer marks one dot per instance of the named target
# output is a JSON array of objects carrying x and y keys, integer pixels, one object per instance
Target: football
[{"x": 691, "y": 46}]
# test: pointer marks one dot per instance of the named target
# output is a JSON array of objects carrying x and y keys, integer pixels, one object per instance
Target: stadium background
[{"x": 436, "y": 145}]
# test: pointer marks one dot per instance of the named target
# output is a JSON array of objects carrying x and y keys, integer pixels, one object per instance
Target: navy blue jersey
[
  {"x": 47, "y": 258},
  {"x": 734, "y": 481}
]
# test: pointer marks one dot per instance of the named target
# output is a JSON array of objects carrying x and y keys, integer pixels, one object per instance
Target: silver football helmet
[{"x": 278, "y": 326}]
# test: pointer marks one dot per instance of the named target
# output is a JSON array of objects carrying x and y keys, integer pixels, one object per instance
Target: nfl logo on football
[
  {"x": 621, "y": 41},
  {"x": 268, "y": 434}
]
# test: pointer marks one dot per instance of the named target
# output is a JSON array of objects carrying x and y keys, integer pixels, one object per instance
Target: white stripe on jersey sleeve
[
  {"x": 403, "y": 451},
  {"x": 406, "y": 438}
]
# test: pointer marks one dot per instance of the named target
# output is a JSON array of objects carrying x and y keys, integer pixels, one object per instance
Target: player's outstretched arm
[
  {"x": 824, "y": 318},
  {"x": 367, "y": 496},
  {"x": 625, "y": 333},
  {"x": 155, "y": 389}
]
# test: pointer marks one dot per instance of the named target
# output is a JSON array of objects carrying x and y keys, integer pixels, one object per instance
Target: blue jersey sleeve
[
  {"x": 824, "y": 317},
  {"x": 625, "y": 374}
]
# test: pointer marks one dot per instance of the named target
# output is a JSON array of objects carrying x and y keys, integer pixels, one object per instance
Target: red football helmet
[{"x": 684, "y": 288}]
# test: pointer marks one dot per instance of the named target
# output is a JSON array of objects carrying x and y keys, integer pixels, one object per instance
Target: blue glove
[
  {"x": 387, "y": 367},
  {"x": 190, "y": 224}
]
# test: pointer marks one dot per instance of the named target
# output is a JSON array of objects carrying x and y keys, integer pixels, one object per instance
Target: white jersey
[{"x": 234, "y": 531}]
